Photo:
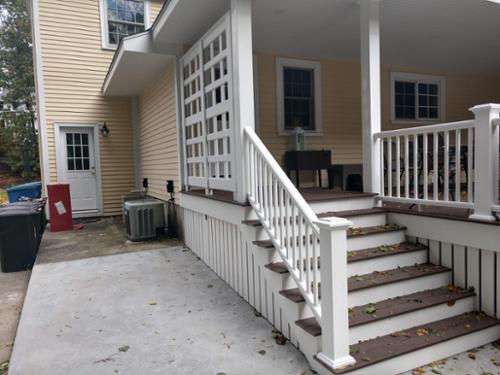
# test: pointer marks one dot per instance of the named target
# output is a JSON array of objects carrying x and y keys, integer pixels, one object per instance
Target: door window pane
[{"x": 77, "y": 151}]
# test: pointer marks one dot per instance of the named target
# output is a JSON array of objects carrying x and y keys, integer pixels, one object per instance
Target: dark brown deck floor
[
  {"x": 360, "y": 255},
  {"x": 393, "y": 307},
  {"x": 344, "y": 214},
  {"x": 373, "y": 351},
  {"x": 438, "y": 212},
  {"x": 360, "y": 282},
  {"x": 309, "y": 194}
]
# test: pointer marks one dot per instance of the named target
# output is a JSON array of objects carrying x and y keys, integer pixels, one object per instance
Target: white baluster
[{"x": 458, "y": 142}]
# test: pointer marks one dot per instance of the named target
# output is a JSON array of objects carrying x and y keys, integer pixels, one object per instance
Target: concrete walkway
[{"x": 151, "y": 312}]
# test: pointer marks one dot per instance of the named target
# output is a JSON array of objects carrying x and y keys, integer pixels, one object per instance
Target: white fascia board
[{"x": 163, "y": 17}]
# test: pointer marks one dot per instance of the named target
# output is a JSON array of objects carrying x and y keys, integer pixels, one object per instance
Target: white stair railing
[{"x": 301, "y": 239}]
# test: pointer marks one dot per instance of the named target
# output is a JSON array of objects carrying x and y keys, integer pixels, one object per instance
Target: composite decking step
[
  {"x": 351, "y": 233},
  {"x": 353, "y": 213},
  {"x": 370, "y": 352},
  {"x": 392, "y": 307},
  {"x": 360, "y": 255},
  {"x": 343, "y": 214},
  {"x": 374, "y": 279}
]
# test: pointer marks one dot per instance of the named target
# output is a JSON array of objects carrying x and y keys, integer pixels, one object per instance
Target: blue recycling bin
[{"x": 31, "y": 190}]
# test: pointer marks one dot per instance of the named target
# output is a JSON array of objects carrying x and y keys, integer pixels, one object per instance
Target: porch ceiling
[
  {"x": 428, "y": 35},
  {"x": 136, "y": 63},
  {"x": 431, "y": 35}
]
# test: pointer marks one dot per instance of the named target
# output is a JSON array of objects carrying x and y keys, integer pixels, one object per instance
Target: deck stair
[{"x": 403, "y": 312}]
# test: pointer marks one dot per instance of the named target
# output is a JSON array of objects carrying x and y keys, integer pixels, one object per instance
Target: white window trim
[
  {"x": 104, "y": 23},
  {"x": 419, "y": 78},
  {"x": 281, "y": 63}
]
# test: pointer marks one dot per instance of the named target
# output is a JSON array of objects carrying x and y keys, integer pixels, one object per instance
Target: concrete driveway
[{"x": 151, "y": 312}]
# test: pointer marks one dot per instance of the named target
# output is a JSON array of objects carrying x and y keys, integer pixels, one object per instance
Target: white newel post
[
  {"x": 370, "y": 87},
  {"x": 334, "y": 306},
  {"x": 244, "y": 116},
  {"x": 486, "y": 161}
]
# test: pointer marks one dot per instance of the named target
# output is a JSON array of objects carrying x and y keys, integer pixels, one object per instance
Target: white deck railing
[
  {"x": 301, "y": 239},
  {"x": 424, "y": 165},
  {"x": 453, "y": 164}
]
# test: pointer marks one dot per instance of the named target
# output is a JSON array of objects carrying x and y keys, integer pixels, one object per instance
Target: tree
[{"x": 18, "y": 147}]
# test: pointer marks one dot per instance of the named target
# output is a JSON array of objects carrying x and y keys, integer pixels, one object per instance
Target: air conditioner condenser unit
[{"x": 144, "y": 219}]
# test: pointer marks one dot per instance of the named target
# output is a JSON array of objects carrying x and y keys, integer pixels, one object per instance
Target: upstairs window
[
  {"x": 417, "y": 97},
  {"x": 299, "y": 95},
  {"x": 121, "y": 18}
]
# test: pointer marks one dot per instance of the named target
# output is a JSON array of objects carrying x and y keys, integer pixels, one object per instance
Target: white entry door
[{"x": 78, "y": 167}]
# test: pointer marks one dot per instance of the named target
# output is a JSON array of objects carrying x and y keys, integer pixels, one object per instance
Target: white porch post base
[
  {"x": 336, "y": 364},
  {"x": 479, "y": 217},
  {"x": 486, "y": 161},
  {"x": 334, "y": 306}
]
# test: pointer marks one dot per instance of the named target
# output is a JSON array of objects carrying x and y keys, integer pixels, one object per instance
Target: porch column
[
  {"x": 241, "y": 25},
  {"x": 486, "y": 161},
  {"x": 370, "y": 87}
]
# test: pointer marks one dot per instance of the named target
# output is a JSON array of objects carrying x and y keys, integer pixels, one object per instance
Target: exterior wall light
[{"x": 104, "y": 130}]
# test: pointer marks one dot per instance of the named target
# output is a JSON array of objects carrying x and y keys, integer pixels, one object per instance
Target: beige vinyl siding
[
  {"x": 341, "y": 101},
  {"x": 158, "y": 133},
  {"x": 74, "y": 67}
]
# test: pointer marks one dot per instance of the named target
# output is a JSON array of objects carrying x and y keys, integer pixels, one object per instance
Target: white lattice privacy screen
[{"x": 208, "y": 110}]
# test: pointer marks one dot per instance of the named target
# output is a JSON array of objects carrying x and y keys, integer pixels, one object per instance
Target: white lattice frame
[{"x": 209, "y": 181}]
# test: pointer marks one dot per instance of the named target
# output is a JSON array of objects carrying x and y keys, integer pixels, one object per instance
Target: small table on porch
[{"x": 307, "y": 161}]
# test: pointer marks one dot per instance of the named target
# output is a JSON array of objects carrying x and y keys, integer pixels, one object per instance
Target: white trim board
[
  {"x": 281, "y": 63},
  {"x": 40, "y": 91},
  {"x": 60, "y": 162}
]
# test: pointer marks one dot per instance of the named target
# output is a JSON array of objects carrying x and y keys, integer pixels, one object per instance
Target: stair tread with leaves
[
  {"x": 379, "y": 349},
  {"x": 374, "y": 279},
  {"x": 392, "y": 307},
  {"x": 361, "y": 255}
]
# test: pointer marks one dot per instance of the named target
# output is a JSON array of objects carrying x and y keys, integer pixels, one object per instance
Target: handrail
[
  {"x": 295, "y": 232},
  {"x": 287, "y": 218},
  {"x": 283, "y": 178},
  {"x": 427, "y": 129}
]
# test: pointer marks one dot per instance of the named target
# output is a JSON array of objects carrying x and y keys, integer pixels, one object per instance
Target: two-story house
[{"x": 209, "y": 94}]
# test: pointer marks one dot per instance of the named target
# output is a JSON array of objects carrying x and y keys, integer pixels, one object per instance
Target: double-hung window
[
  {"x": 417, "y": 97},
  {"x": 121, "y": 18},
  {"x": 298, "y": 95}
]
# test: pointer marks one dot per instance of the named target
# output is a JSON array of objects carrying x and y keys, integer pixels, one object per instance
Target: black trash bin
[
  {"x": 19, "y": 238},
  {"x": 38, "y": 208}
]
